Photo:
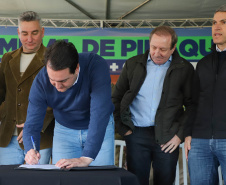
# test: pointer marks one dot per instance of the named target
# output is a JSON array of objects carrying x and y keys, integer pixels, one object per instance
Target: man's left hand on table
[{"x": 75, "y": 162}]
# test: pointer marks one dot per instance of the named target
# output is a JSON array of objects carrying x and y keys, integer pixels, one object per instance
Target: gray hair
[
  {"x": 29, "y": 16},
  {"x": 221, "y": 9}
]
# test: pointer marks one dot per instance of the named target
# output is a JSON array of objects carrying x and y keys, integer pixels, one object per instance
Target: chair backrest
[
  {"x": 184, "y": 164},
  {"x": 121, "y": 144}
]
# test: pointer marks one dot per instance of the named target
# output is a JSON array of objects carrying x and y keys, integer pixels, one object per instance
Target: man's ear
[
  {"x": 18, "y": 31},
  {"x": 43, "y": 31},
  {"x": 77, "y": 69},
  {"x": 174, "y": 48}
]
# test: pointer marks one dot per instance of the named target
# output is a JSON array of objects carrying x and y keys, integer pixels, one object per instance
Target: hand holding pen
[{"x": 32, "y": 157}]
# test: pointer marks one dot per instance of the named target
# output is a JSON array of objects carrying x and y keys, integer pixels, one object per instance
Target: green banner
[{"x": 192, "y": 48}]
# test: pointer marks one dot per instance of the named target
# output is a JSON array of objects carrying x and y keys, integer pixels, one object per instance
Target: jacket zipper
[
  {"x": 213, "y": 107},
  {"x": 216, "y": 76}
]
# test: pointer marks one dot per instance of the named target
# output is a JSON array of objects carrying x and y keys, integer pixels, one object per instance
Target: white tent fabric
[{"x": 112, "y": 9}]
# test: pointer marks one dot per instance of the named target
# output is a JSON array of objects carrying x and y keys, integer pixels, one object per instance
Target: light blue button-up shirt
[{"x": 145, "y": 104}]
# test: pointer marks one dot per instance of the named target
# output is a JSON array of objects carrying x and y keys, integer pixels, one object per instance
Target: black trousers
[{"x": 142, "y": 151}]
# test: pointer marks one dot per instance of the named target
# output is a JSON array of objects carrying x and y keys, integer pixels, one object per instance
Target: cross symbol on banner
[{"x": 114, "y": 66}]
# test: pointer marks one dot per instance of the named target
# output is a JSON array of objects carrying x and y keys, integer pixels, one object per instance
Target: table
[{"x": 117, "y": 176}]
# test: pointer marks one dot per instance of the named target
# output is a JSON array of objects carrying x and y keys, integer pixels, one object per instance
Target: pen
[{"x": 33, "y": 143}]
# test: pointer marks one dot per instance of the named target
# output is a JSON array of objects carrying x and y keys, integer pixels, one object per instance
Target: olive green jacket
[{"x": 14, "y": 92}]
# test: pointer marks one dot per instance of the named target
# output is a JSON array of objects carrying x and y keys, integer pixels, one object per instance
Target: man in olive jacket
[
  {"x": 152, "y": 99},
  {"x": 17, "y": 72}
]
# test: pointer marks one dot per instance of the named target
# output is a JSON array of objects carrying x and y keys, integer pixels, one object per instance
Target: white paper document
[{"x": 40, "y": 166}]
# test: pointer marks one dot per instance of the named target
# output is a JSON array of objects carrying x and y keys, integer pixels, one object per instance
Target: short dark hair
[
  {"x": 221, "y": 9},
  {"x": 61, "y": 55},
  {"x": 29, "y": 16},
  {"x": 165, "y": 30}
]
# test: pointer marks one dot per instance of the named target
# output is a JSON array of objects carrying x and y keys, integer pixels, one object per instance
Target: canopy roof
[{"x": 134, "y": 12}]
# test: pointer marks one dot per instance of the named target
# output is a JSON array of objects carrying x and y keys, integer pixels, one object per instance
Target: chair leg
[
  {"x": 177, "y": 178},
  {"x": 220, "y": 176}
]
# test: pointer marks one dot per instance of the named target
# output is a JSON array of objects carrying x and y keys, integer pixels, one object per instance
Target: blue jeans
[
  {"x": 69, "y": 143},
  {"x": 203, "y": 160},
  {"x": 13, "y": 154}
]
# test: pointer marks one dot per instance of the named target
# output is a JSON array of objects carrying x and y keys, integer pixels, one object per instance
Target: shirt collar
[
  {"x": 77, "y": 77},
  {"x": 218, "y": 49},
  {"x": 168, "y": 61}
]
